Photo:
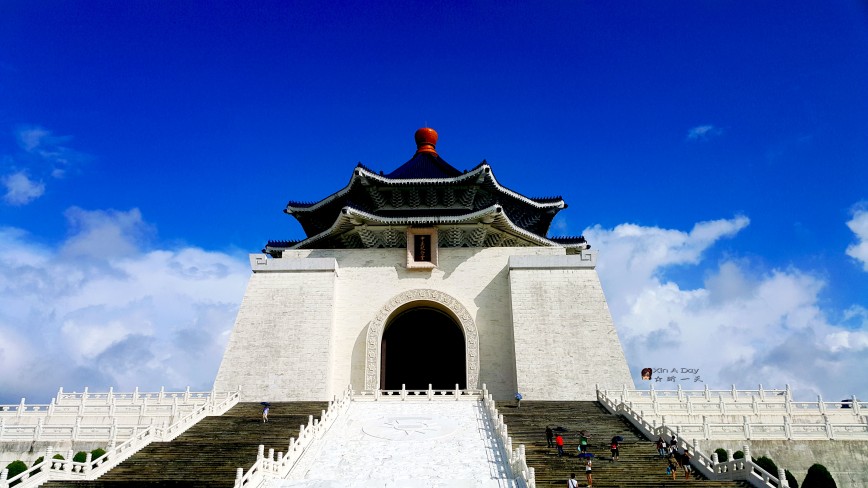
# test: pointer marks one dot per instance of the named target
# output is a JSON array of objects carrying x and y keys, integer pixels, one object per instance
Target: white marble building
[{"x": 426, "y": 275}]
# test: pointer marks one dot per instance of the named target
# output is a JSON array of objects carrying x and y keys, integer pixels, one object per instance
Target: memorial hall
[{"x": 424, "y": 275}]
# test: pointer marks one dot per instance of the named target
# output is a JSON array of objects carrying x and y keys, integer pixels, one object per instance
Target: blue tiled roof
[{"x": 424, "y": 165}]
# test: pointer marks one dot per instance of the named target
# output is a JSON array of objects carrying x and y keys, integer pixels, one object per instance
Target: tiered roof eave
[
  {"x": 361, "y": 173},
  {"x": 494, "y": 216}
]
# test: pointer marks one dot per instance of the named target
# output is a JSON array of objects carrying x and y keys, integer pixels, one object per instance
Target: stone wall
[
  {"x": 847, "y": 461},
  {"x": 281, "y": 346},
  {"x": 565, "y": 340}
]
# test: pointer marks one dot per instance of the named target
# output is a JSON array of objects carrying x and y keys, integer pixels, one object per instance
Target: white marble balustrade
[
  {"x": 710, "y": 467},
  {"x": 56, "y": 469},
  {"x": 101, "y": 416}
]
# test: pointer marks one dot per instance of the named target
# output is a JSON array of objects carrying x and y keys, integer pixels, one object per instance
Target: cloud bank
[
  {"x": 102, "y": 309},
  {"x": 744, "y": 325}
]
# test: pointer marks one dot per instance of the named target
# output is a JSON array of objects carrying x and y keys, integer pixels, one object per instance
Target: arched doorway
[
  {"x": 410, "y": 299},
  {"x": 422, "y": 346}
]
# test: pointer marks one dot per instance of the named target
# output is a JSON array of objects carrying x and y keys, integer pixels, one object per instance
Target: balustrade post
[
  {"x": 714, "y": 459},
  {"x": 162, "y": 394},
  {"x": 260, "y": 452},
  {"x": 279, "y": 456},
  {"x": 457, "y": 392},
  {"x": 755, "y": 405},
  {"x": 788, "y": 429},
  {"x": 75, "y": 428},
  {"x": 747, "y": 456},
  {"x": 680, "y": 393},
  {"x": 136, "y": 395},
  {"x": 68, "y": 465},
  {"x": 653, "y": 394},
  {"x": 734, "y": 393},
  {"x": 38, "y": 431},
  {"x": 49, "y": 458},
  {"x": 4, "y": 475},
  {"x": 820, "y": 404},
  {"x": 87, "y": 460},
  {"x": 829, "y": 433},
  {"x": 696, "y": 448},
  {"x": 430, "y": 392},
  {"x": 239, "y": 473},
  {"x": 746, "y": 424},
  {"x": 187, "y": 395},
  {"x": 377, "y": 394},
  {"x": 722, "y": 404},
  {"x": 855, "y": 406},
  {"x": 271, "y": 454},
  {"x": 762, "y": 393},
  {"x": 291, "y": 444},
  {"x": 403, "y": 392},
  {"x": 788, "y": 392},
  {"x": 689, "y": 406},
  {"x": 707, "y": 394},
  {"x": 84, "y": 394},
  {"x": 782, "y": 477},
  {"x": 51, "y": 407},
  {"x": 624, "y": 393},
  {"x": 706, "y": 429},
  {"x": 729, "y": 455},
  {"x": 113, "y": 431},
  {"x": 110, "y": 398},
  {"x": 174, "y": 408},
  {"x": 21, "y": 407}
]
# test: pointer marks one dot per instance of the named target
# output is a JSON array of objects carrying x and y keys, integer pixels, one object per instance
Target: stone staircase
[
  {"x": 209, "y": 453},
  {"x": 638, "y": 466}
]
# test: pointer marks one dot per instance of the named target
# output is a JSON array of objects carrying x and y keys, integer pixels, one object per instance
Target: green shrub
[
  {"x": 818, "y": 477},
  {"x": 791, "y": 480},
  {"x": 98, "y": 452},
  {"x": 738, "y": 455},
  {"x": 768, "y": 465},
  {"x": 38, "y": 460},
  {"x": 15, "y": 468},
  {"x": 722, "y": 456},
  {"x": 58, "y": 456},
  {"x": 80, "y": 457}
]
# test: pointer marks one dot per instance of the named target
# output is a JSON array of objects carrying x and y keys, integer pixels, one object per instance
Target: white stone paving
[{"x": 405, "y": 444}]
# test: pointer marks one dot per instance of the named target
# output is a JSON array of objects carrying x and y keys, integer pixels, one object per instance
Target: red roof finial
[{"x": 426, "y": 140}]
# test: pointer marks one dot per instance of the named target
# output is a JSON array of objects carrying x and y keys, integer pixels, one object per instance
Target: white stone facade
[{"x": 535, "y": 319}]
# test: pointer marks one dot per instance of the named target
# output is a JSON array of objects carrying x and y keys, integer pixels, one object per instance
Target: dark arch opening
[{"x": 420, "y": 346}]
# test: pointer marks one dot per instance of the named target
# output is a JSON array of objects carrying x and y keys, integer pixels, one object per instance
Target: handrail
[
  {"x": 734, "y": 470},
  {"x": 67, "y": 469},
  {"x": 267, "y": 467},
  {"x": 516, "y": 458}
]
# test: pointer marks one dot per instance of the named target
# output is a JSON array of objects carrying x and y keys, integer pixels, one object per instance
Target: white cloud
[
  {"x": 742, "y": 325},
  {"x": 102, "y": 309},
  {"x": 703, "y": 132},
  {"x": 859, "y": 225},
  {"x": 42, "y": 154},
  {"x": 21, "y": 190}
]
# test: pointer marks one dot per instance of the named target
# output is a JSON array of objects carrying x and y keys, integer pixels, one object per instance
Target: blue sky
[{"x": 714, "y": 153}]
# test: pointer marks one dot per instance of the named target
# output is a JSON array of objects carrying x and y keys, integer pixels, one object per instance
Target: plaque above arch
[{"x": 423, "y": 295}]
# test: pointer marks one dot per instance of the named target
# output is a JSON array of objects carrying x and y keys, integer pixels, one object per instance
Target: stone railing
[
  {"x": 430, "y": 394},
  {"x": 94, "y": 417},
  {"x": 757, "y": 403},
  {"x": 522, "y": 473},
  {"x": 67, "y": 469},
  {"x": 734, "y": 470},
  {"x": 746, "y": 414},
  {"x": 268, "y": 467}
]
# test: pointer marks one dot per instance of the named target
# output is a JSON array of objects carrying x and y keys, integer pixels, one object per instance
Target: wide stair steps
[
  {"x": 210, "y": 452},
  {"x": 638, "y": 464}
]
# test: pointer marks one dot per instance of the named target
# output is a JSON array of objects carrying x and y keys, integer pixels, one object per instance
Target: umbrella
[
  {"x": 587, "y": 455},
  {"x": 265, "y": 404},
  {"x": 617, "y": 438}
]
